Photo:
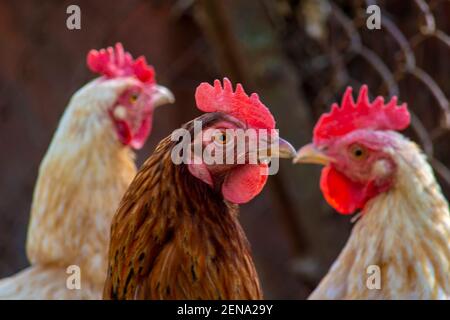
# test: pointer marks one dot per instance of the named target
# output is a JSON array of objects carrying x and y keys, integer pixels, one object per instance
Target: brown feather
[{"x": 174, "y": 237}]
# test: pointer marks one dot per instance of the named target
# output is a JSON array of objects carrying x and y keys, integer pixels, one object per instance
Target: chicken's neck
[
  {"x": 404, "y": 232},
  {"x": 189, "y": 200},
  {"x": 189, "y": 239},
  {"x": 82, "y": 178}
]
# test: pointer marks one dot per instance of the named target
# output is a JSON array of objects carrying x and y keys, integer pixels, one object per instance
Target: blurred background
[{"x": 298, "y": 55}]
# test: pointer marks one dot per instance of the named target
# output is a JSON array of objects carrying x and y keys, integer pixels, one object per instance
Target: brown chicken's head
[
  {"x": 356, "y": 143},
  {"x": 232, "y": 143},
  {"x": 136, "y": 93}
]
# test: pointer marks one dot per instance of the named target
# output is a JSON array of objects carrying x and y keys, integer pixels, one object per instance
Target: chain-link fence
[{"x": 332, "y": 47}]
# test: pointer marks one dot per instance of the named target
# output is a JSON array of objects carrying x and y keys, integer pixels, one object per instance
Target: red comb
[
  {"x": 238, "y": 104},
  {"x": 115, "y": 62},
  {"x": 360, "y": 115}
]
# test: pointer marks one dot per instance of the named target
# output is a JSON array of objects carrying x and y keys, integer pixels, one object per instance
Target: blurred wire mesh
[
  {"x": 328, "y": 46},
  {"x": 331, "y": 47},
  {"x": 325, "y": 46}
]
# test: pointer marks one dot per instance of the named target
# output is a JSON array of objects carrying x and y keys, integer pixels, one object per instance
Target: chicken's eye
[
  {"x": 221, "y": 138},
  {"x": 358, "y": 152},
  {"x": 134, "y": 97}
]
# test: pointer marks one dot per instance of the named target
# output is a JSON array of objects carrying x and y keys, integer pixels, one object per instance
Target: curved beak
[
  {"x": 284, "y": 150},
  {"x": 161, "y": 96},
  {"x": 311, "y": 154},
  {"x": 280, "y": 148}
]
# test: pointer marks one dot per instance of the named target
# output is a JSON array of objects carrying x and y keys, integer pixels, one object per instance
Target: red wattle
[
  {"x": 244, "y": 183},
  {"x": 344, "y": 195},
  {"x": 200, "y": 171},
  {"x": 139, "y": 137},
  {"x": 124, "y": 132}
]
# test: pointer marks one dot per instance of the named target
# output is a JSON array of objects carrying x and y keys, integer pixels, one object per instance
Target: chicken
[
  {"x": 400, "y": 246},
  {"x": 83, "y": 176},
  {"x": 176, "y": 234}
]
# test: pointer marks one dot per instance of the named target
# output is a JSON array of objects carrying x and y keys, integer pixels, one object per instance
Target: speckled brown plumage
[{"x": 174, "y": 237}]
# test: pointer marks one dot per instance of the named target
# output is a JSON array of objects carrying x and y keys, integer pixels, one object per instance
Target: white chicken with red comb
[
  {"x": 82, "y": 177},
  {"x": 399, "y": 247}
]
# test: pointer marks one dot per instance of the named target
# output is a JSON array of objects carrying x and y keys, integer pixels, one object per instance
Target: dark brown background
[{"x": 298, "y": 55}]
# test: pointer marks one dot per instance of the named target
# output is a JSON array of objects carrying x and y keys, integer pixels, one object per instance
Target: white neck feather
[
  {"x": 405, "y": 232},
  {"x": 81, "y": 180}
]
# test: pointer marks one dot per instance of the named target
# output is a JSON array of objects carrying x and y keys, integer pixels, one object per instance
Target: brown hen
[{"x": 176, "y": 234}]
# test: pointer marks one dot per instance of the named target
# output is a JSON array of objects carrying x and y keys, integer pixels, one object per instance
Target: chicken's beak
[
  {"x": 161, "y": 96},
  {"x": 279, "y": 149},
  {"x": 311, "y": 154}
]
